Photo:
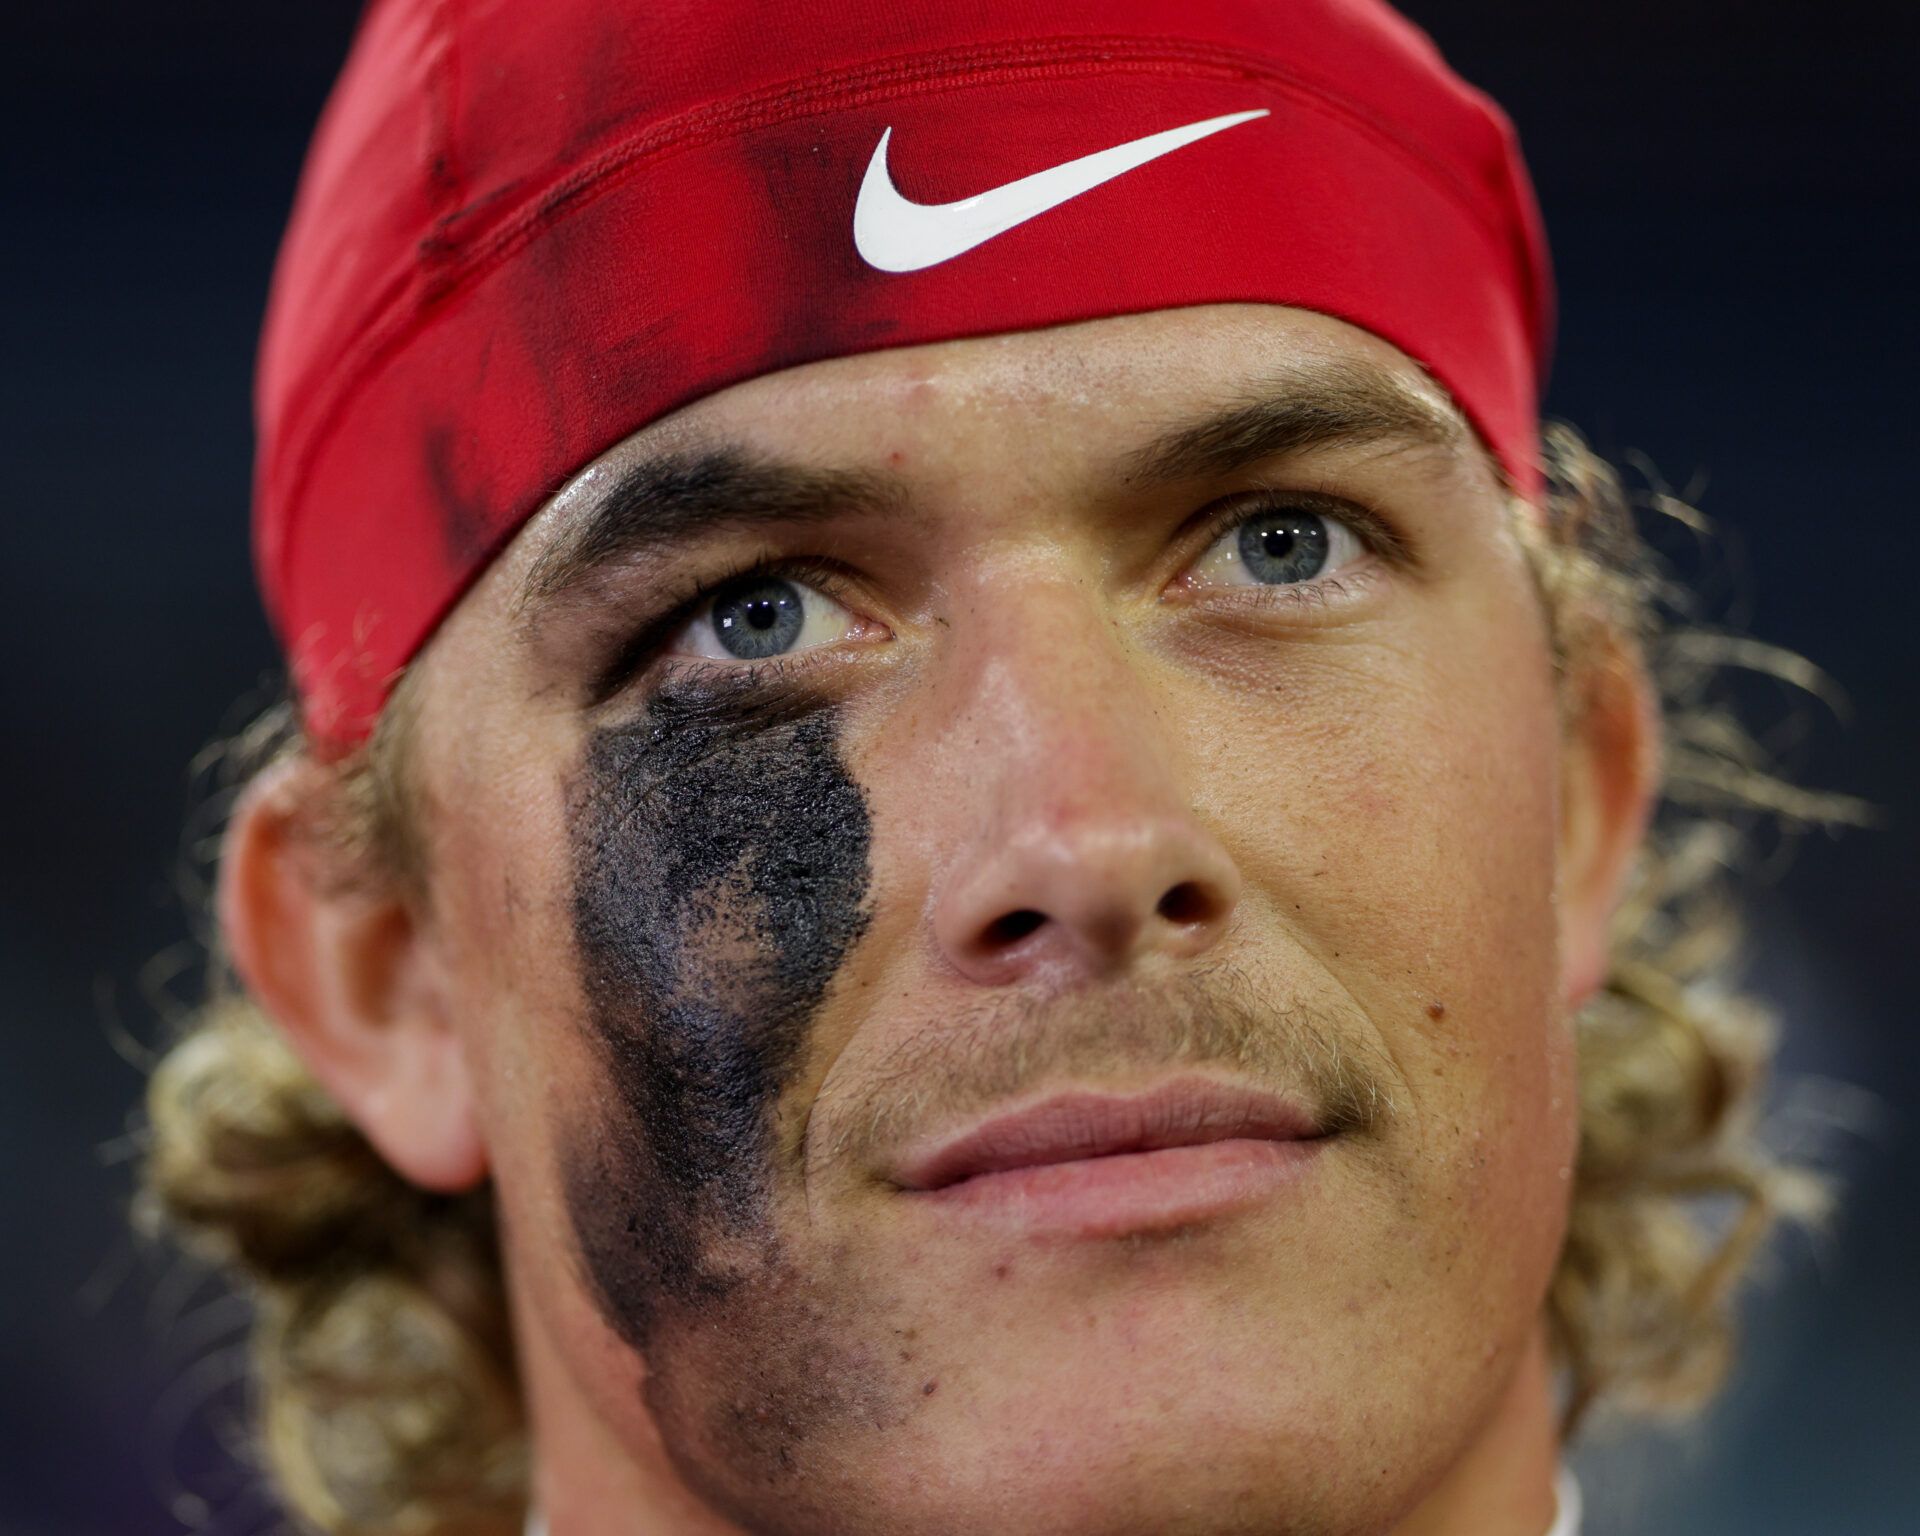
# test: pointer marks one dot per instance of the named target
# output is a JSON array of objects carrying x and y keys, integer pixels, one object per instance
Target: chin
[
  {"x": 1129, "y": 1424},
  {"x": 1094, "y": 1476}
]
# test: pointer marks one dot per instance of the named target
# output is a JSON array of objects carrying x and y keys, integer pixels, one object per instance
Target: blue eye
[
  {"x": 1278, "y": 546},
  {"x": 762, "y": 616},
  {"x": 760, "y": 620},
  {"x": 1283, "y": 546}
]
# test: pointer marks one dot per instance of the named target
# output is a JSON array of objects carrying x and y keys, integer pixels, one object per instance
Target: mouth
[{"x": 1101, "y": 1164}]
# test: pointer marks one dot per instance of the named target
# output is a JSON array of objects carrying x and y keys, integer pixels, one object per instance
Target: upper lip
[{"x": 1082, "y": 1123}]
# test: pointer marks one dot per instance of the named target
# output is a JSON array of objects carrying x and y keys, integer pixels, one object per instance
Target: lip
[{"x": 1100, "y": 1164}]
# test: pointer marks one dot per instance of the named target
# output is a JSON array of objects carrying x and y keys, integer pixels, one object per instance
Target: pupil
[
  {"x": 1283, "y": 546},
  {"x": 761, "y": 617}
]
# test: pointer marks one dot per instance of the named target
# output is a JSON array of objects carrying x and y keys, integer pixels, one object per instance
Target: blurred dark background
[{"x": 1731, "y": 194}]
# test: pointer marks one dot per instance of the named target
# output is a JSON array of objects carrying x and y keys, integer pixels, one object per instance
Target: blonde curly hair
[{"x": 382, "y": 1362}]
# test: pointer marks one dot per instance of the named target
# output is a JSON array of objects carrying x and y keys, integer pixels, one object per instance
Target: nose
[
  {"x": 1089, "y": 857},
  {"x": 1088, "y": 895}
]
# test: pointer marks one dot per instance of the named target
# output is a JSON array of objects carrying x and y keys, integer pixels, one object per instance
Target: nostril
[
  {"x": 1012, "y": 927},
  {"x": 1186, "y": 903}
]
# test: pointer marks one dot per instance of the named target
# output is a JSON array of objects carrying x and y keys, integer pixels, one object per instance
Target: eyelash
[
  {"x": 633, "y": 654},
  {"x": 1375, "y": 534},
  {"x": 637, "y": 650}
]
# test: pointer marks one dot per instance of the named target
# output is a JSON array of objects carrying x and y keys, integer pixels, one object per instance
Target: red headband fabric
[{"x": 524, "y": 231}]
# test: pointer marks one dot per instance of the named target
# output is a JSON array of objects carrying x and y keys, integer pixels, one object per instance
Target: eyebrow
[
  {"x": 1334, "y": 402},
  {"x": 660, "y": 501}
]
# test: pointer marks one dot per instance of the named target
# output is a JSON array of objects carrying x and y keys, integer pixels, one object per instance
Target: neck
[
  {"x": 1503, "y": 1485},
  {"x": 599, "y": 1469}
]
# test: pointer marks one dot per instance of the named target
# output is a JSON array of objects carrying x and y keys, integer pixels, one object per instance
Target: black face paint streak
[
  {"x": 720, "y": 859},
  {"x": 720, "y": 863}
]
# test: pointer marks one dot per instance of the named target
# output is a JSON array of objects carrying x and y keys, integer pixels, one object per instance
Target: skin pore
[{"x": 898, "y": 739}]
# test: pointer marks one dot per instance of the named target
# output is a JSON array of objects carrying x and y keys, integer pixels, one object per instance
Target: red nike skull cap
[{"x": 523, "y": 232}]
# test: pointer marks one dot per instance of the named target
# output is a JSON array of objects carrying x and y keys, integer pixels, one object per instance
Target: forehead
[
  {"x": 1090, "y": 383},
  {"x": 1123, "y": 400}
]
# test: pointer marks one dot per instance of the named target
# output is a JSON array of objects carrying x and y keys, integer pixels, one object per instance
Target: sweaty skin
[{"x": 718, "y": 943}]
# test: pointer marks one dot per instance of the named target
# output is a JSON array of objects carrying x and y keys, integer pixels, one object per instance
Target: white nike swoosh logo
[{"x": 899, "y": 236}]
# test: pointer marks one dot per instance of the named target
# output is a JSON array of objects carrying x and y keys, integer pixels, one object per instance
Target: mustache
[{"x": 1213, "y": 1015}]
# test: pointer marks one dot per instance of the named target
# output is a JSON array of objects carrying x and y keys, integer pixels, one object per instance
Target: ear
[
  {"x": 1609, "y": 781},
  {"x": 346, "y": 973}
]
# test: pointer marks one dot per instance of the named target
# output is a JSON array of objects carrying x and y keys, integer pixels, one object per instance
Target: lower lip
[{"x": 1128, "y": 1191}]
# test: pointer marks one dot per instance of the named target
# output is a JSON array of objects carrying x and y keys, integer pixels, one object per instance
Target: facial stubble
[{"x": 721, "y": 857}]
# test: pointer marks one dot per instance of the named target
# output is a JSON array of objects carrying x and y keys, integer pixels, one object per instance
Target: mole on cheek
[{"x": 720, "y": 862}]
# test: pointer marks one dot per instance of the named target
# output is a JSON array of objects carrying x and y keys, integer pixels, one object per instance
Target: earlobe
[
  {"x": 345, "y": 971},
  {"x": 1609, "y": 783}
]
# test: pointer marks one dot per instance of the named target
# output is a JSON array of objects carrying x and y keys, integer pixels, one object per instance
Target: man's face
[{"x": 1063, "y": 722}]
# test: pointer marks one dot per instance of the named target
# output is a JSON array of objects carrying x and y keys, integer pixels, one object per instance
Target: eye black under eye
[
  {"x": 1283, "y": 544},
  {"x": 758, "y": 617}
]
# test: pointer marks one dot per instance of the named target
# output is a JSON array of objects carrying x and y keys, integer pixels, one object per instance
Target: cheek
[
  {"x": 1462, "y": 978},
  {"x": 719, "y": 859},
  {"x": 1397, "y": 813},
  {"x": 499, "y": 924},
  {"x": 1394, "y": 810}
]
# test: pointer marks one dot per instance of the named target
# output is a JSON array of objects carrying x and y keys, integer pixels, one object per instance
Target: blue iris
[
  {"x": 1285, "y": 544},
  {"x": 760, "y": 617}
]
